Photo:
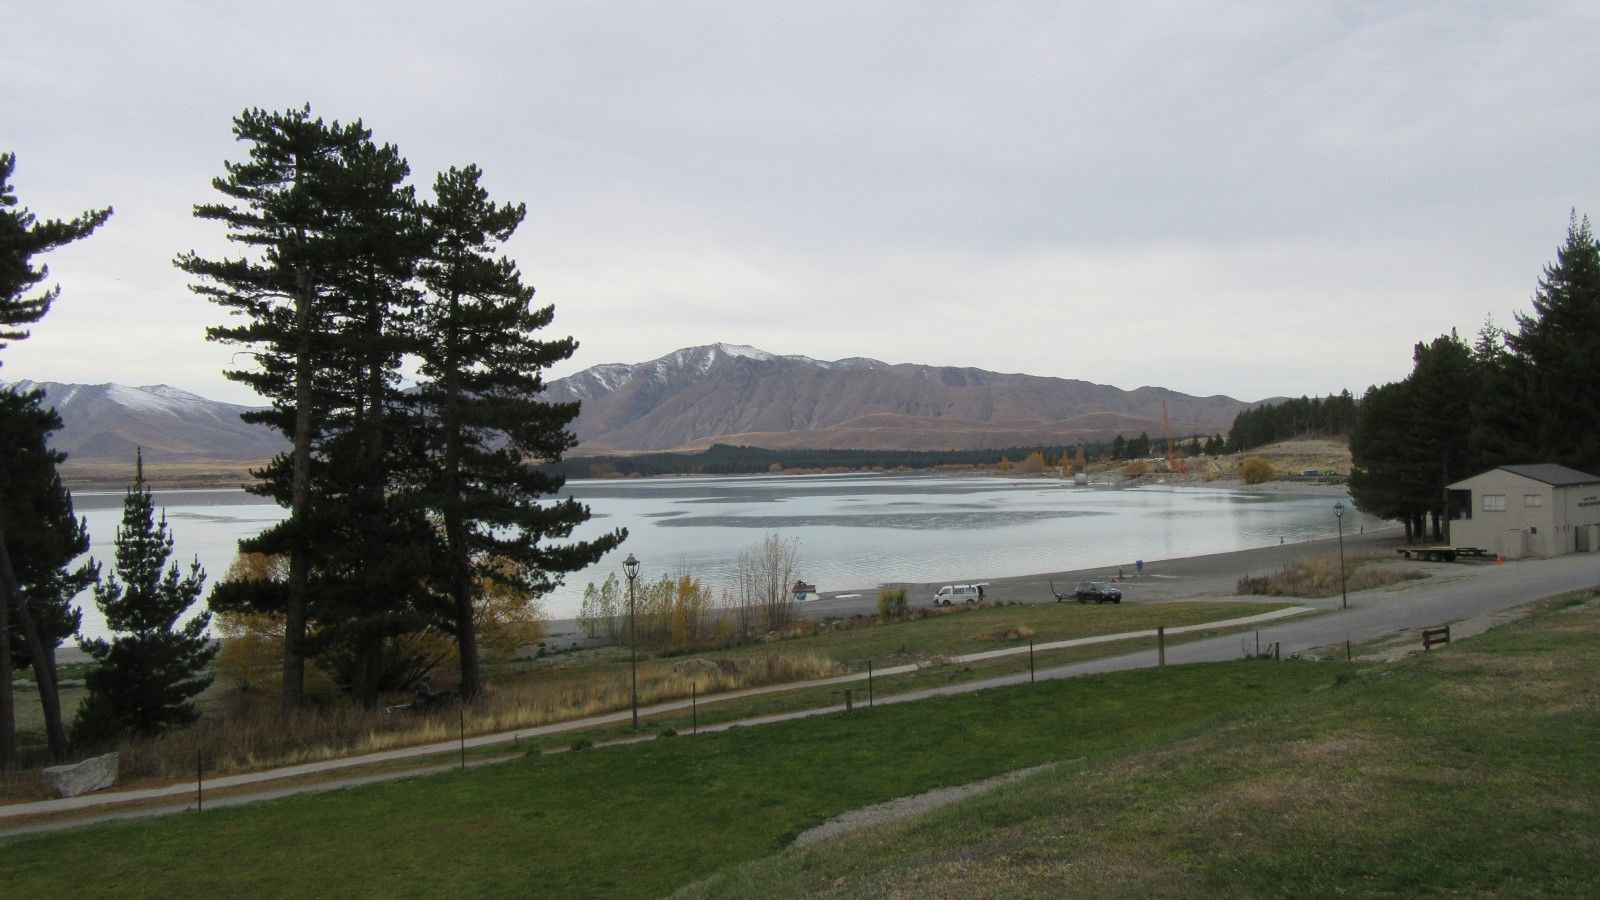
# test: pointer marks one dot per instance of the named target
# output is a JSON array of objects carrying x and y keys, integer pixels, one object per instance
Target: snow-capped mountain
[
  {"x": 731, "y": 393},
  {"x": 691, "y": 398},
  {"x": 107, "y": 422}
]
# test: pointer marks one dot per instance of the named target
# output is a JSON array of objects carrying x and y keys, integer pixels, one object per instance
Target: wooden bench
[{"x": 1433, "y": 637}]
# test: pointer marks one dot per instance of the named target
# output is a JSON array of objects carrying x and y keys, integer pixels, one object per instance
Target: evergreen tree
[
  {"x": 39, "y": 536},
  {"x": 1557, "y": 352},
  {"x": 481, "y": 365},
  {"x": 1377, "y": 455},
  {"x": 1434, "y": 453},
  {"x": 22, "y": 237},
  {"x": 142, "y": 681},
  {"x": 377, "y": 557},
  {"x": 291, "y": 202},
  {"x": 1499, "y": 433}
]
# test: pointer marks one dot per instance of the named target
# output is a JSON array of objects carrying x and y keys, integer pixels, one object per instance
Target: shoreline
[{"x": 1210, "y": 576}]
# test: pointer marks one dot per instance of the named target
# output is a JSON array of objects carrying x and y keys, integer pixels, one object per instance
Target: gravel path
[{"x": 907, "y": 807}]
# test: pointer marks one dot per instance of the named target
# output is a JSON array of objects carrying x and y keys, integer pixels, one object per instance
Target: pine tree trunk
[
  {"x": 8, "y": 705},
  {"x": 454, "y": 519},
  {"x": 294, "y": 613},
  {"x": 44, "y": 659}
]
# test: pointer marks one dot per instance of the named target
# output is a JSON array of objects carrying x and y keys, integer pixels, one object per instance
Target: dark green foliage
[
  {"x": 1509, "y": 398},
  {"x": 1324, "y": 416},
  {"x": 39, "y": 535},
  {"x": 329, "y": 311},
  {"x": 1435, "y": 450},
  {"x": 480, "y": 416},
  {"x": 42, "y": 534},
  {"x": 23, "y": 237},
  {"x": 1557, "y": 353},
  {"x": 1376, "y": 448},
  {"x": 142, "y": 680}
]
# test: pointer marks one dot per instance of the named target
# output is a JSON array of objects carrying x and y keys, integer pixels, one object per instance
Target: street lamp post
[
  {"x": 1344, "y": 594},
  {"x": 630, "y": 567}
]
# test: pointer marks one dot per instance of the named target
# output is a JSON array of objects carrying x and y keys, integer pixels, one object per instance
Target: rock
[
  {"x": 81, "y": 778},
  {"x": 696, "y": 667}
]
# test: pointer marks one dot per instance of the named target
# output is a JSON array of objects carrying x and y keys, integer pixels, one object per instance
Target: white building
[{"x": 1530, "y": 510}]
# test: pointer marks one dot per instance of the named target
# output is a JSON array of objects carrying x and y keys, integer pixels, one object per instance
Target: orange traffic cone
[{"x": 1498, "y": 560}]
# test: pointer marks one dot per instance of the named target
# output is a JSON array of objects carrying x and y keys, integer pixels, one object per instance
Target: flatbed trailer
[{"x": 1443, "y": 554}]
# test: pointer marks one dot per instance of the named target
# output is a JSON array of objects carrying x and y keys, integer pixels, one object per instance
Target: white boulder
[{"x": 81, "y": 778}]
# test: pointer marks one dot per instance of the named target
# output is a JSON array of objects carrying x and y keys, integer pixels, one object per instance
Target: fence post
[
  {"x": 1277, "y": 646},
  {"x": 869, "y": 682},
  {"x": 199, "y": 781},
  {"x": 1346, "y": 649},
  {"x": 1161, "y": 645},
  {"x": 461, "y": 711},
  {"x": 847, "y": 704},
  {"x": 1258, "y": 642},
  {"x": 1030, "y": 660},
  {"x": 694, "y": 707}
]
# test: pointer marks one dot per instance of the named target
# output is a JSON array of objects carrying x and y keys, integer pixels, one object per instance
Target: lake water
[{"x": 853, "y": 531}]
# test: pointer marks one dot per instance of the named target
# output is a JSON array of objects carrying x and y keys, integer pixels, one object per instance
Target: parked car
[
  {"x": 952, "y": 593},
  {"x": 1098, "y": 591}
]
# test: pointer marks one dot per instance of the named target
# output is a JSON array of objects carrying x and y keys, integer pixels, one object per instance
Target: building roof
[{"x": 1549, "y": 473}]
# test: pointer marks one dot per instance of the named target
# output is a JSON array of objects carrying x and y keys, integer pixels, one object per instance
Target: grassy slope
[
  {"x": 1475, "y": 770},
  {"x": 639, "y": 820}
]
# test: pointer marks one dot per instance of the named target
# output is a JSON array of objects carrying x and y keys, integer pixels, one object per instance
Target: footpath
[{"x": 49, "y": 815}]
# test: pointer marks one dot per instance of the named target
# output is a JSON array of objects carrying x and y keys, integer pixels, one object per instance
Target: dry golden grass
[
  {"x": 1005, "y": 634},
  {"x": 1320, "y": 578},
  {"x": 261, "y": 737}
]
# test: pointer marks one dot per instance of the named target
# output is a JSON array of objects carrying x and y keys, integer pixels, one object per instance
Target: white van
[{"x": 953, "y": 593}]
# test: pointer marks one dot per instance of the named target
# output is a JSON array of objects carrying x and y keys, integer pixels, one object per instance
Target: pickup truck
[{"x": 1098, "y": 591}]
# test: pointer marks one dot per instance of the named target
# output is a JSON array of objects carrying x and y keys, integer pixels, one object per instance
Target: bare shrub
[
  {"x": 1255, "y": 470},
  {"x": 765, "y": 572}
]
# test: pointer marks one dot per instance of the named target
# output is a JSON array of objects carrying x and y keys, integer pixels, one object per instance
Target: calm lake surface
[{"x": 854, "y": 531}]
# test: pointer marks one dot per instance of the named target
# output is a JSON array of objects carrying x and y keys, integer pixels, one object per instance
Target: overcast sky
[{"x": 1246, "y": 198}]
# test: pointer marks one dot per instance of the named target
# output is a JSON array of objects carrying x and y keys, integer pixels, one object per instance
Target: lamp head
[
  {"x": 1338, "y": 510},
  {"x": 630, "y": 567}
]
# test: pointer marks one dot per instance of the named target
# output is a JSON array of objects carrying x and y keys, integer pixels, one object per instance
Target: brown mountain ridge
[{"x": 735, "y": 394}]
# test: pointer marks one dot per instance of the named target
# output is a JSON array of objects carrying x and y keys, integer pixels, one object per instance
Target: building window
[
  {"x": 1494, "y": 502},
  {"x": 1532, "y": 500}
]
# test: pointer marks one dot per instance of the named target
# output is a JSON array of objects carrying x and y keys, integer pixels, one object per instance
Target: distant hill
[
  {"x": 733, "y": 394},
  {"x": 692, "y": 398},
  {"x": 104, "y": 423}
]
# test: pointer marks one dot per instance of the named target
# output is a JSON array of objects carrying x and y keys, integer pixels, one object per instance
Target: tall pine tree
[
  {"x": 143, "y": 680},
  {"x": 1557, "y": 352},
  {"x": 481, "y": 361},
  {"x": 289, "y": 203},
  {"x": 39, "y": 536}
]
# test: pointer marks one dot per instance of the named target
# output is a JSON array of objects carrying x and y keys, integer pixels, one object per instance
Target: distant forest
[
  {"x": 726, "y": 459},
  {"x": 1328, "y": 416}
]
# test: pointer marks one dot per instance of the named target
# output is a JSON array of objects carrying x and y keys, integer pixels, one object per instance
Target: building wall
[
  {"x": 1537, "y": 519},
  {"x": 1521, "y": 527},
  {"x": 1581, "y": 511}
]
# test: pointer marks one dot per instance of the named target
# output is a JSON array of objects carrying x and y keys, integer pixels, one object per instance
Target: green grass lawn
[
  {"x": 1472, "y": 770},
  {"x": 714, "y": 711},
  {"x": 645, "y": 819}
]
